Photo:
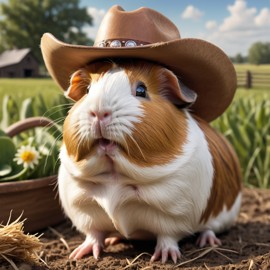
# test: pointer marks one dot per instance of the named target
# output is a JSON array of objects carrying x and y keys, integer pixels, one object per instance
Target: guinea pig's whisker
[
  {"x": 51, "y": 127},
  {"x": 75, "y": 134},
  {"x": 135, "y": 142},
  {"x": 120, "y": 128},
  {"x": 57, "y": 160},
  {"x": 124, "y": 126},
  {"x": 79, "y": 142},
  {"x": 48, "y": 127},
  {"x": 64, "y": 105},
  {"x": 52, "y": 111},
  {"x": 123, "y": 137},
  {"x": 81, "y": 134},
  {"x": 50, "y": 152},
  {"x": 46, "y": 159},
  {"x": 57, "y": 139},
  {"x": 59, "y": 120},
  {"x": 125, "y": 141}
]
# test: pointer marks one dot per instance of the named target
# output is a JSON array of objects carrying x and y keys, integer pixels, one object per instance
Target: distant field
[
  {"x": 254, "y": 68},
  {"x": 24, "y": 88},
  {"x": 258, "y": 78}
]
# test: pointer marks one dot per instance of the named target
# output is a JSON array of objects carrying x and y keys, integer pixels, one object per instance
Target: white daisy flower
[{"x": 28, "y": 156}]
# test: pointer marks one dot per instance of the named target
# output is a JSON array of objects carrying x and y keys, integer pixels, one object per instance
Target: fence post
[{"x": 248, "y": 80}]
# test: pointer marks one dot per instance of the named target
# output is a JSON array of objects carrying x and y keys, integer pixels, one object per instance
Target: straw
[{"x": 15, "y": 244}]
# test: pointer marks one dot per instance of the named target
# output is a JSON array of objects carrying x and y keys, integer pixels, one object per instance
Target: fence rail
[{"x": 249, "y": 79}]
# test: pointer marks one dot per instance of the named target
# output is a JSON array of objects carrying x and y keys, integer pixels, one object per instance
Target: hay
[{"x": 15, "y": 244}]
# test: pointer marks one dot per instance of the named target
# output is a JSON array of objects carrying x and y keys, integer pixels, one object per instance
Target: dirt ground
[{"x": 245, "y": 246}]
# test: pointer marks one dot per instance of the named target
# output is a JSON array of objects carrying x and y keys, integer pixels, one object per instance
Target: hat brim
[{"x": 200, "y": 65}]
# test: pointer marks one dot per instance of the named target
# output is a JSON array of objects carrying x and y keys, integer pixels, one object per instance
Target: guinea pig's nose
[{"x": 104, "y": 116}]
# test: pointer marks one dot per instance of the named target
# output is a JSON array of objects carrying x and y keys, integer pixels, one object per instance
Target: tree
[
  {"x": 22, "y": 23},
  {"x": 259, "y": 53},
  {"x": 239, "y": 59}
]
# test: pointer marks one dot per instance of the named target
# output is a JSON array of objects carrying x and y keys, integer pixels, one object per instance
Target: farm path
[{"x": 245, "y": 246}]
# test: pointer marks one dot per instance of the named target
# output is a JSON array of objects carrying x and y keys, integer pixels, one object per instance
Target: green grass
[
  {"x": 31, "y": 97},
  {"x": 256, "y": 92},
  {"x": 20, "y": 89},
  {"x": 24, "y": 88},
  {"x": 246, "y": 124},
  {"x": 21, "y": 99}
]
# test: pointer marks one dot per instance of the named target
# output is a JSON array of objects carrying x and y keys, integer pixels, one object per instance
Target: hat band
[{"x": 116, "y": 43}]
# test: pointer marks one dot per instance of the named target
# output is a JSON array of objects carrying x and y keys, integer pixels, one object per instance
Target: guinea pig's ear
[
  {"x": 79, "y": 83},
  {"x": 175, "y": 91}
]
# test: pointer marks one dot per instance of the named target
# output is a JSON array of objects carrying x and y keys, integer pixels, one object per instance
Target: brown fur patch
[
  {"x": 79, "y": 82},
  {"x": 140, "y": 71},
  {"x": 158, "y": 139},
  {"x": 98, "y": 69},
  {"x": 227, "y": 180}
]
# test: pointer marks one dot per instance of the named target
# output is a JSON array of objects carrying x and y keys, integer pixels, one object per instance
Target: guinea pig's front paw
[
  {"x": 93, "y": 243},
  {"x": 166, "y": 247}
]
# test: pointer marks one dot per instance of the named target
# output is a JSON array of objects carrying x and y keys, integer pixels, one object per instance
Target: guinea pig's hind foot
[
  {"x": 166, "y": 247},
  {"x": 90, "y": 245},
  {"x": 208, "y": 237},
  {"x": 112, "y": 241}
]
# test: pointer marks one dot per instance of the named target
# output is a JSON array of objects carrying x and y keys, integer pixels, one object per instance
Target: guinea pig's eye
[
  {"x": 87, "y": 89},
  {"x": 141, "y": 90}
]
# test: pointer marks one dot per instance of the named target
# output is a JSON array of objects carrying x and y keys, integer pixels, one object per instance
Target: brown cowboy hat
[{"x": 146, "y": 34}]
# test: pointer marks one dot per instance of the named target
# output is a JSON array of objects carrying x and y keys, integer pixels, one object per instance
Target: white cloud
[
  {"x": 97, "y": 15},
  {"x": 210, "y": 25},
  {"x": 240, "y": 17},
  {"x": 263, "y": 19},
  {"x": 192, "y": 13},
  {"x": 244, "y": 26}
]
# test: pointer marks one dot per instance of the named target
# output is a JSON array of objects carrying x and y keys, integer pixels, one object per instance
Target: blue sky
[{"x": 232, "y": 25}]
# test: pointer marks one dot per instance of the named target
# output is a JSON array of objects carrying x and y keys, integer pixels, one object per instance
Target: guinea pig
[{"x": 136, "y": 164}]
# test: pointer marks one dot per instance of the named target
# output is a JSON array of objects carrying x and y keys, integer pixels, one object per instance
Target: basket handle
[{"x": 28, "y": 123}]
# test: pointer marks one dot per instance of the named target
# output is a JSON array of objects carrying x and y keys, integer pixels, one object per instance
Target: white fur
[
  {"x": 225, "y": 218},
  {"x": 111, "y": 93},
  {"x": 165, "y": 201}
]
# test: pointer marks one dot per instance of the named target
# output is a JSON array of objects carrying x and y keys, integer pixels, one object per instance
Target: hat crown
[{"x": 144, "y": 25}]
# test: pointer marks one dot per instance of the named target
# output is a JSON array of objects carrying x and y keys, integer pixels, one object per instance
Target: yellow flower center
[{"x": 27, "y": 156}]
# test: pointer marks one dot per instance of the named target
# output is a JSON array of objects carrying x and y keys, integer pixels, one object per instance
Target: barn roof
[{"x": 12, "y": 57}]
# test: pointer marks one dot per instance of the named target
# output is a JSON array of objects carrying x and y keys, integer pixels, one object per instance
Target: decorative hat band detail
[{"x": 117, "y": 43}]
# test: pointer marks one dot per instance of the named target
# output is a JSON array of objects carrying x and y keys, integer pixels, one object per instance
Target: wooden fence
[{"x": 251, "y": 79}]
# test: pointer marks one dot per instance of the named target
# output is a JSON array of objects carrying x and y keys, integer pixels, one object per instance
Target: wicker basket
[{"x": 36, "y": 199}]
